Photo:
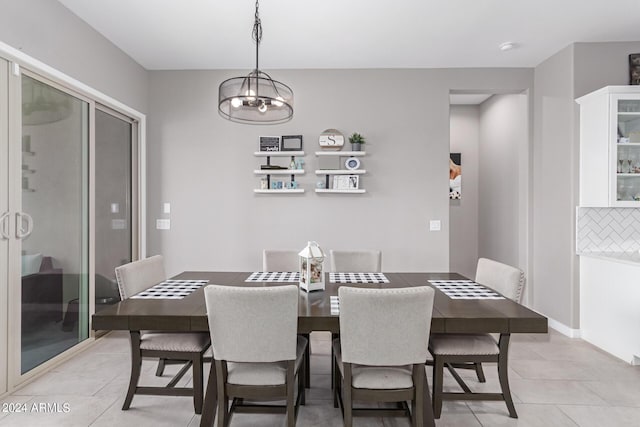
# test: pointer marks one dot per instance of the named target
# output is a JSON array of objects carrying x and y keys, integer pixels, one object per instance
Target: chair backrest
[
  {"x": 507, "y": 280},
  {"x": 253, "y": 324},
  {"x": 356, "y": 261},
  {"x": 385, "y": 327},
  {"x": 278, "y": 260},
  {"x": 139, "y": 275}
]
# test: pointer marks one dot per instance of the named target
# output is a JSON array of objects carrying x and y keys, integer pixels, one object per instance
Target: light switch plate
[
  {"x": 434, "y": 225},
  {"x": 166, "y": 207},
  {"x": 163, "y": 224}
]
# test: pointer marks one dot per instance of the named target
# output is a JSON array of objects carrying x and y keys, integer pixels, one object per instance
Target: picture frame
[
  {"x": 291, "y": 143},
  {"x": 269, "y": 143},
  {"x": 634, "y": 69},
  {"x": 354, "y": 182},
  {"x": 346, "y": 182}
]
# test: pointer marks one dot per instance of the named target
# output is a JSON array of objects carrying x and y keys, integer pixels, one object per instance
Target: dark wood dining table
[{"x": 502, "y": 316}]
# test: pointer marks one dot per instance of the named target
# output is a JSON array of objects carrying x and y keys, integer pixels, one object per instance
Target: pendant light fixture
[{"x": 255, "y": 98}]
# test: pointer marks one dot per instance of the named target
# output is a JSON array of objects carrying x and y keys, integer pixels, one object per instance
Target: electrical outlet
[
  {"x": 434, "y": 225},
  {"x": 163, "y": 224}
]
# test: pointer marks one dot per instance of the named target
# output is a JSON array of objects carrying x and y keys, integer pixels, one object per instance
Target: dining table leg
[{"x": 210, "y": 399}]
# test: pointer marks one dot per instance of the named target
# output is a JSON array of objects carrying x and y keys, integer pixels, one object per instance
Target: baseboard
[{"x": 563, "y": 329}]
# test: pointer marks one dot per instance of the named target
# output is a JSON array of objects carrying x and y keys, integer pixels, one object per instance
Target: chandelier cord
[{"x": 257, "y": 32}]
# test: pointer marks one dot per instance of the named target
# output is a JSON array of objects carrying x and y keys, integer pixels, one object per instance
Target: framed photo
[
  {"x": 354, "y": 181},
  {"x": 291, "y": 143},
  {"x": 455, "y": 176},
  {"x": 269, "y": 143},
  {"x": 346, "y": 182},
  {"x": 634, "y": 69},
  {"x": 340, "y": 182}
]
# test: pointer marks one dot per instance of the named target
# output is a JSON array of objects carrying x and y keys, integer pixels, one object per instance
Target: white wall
[
  {"x": 463, "y": 213},
  {"x": 502, "y": 179},
  {"x": 203, "y": 165}
]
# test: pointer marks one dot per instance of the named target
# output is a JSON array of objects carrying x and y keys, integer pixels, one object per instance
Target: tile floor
[{"x": 556, "y": 381}]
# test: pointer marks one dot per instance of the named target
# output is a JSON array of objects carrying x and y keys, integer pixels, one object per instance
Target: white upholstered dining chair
[
  {"x": 256, "y": 349},
  {"x": 279, "y": 260},
  {"x": 184, "y": 348},
  {"x": 356, "y": 261},
  {"x": 468, "y": 351},
  {"x": 381, "y": 350}
]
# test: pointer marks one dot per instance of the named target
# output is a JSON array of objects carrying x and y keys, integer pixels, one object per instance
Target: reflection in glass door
[
  {"x": 5, "y": 217},
  {"x": 52, "y": 228},
  {"x": 113, "y": 199}
]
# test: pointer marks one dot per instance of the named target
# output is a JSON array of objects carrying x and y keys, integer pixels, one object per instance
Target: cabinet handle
[
  {"x": 22, "y": 232},
  {"x": 4, "y": 226}
]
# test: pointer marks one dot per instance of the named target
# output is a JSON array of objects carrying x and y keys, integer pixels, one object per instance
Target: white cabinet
[
  {"x": 610, "y": 147},
  {"x": 270, "y": 184},
  {"x": 350, "y": 176}
]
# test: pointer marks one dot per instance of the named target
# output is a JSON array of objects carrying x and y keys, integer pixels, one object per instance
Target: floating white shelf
[
  {"x": 279, "y": 171},
  {"x": 283, "y": 191},
  {"x": 340, "y": 172},
  {"x": 329, "y": 190},
  {"x": 634, "y": 144},
  {"x": 341, "y": 153},
  {"x": 629, "y": 174},
  {"x": 278, "y": 153}
]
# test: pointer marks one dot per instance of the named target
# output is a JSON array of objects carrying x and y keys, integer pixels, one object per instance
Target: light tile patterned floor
[{"x": 556, "y": 381}]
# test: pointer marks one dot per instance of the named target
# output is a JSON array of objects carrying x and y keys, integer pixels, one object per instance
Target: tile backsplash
[{"x": 607, "y": 230}]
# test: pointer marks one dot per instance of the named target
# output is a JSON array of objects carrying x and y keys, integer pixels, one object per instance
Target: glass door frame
[{"x": 19, "y": 62}]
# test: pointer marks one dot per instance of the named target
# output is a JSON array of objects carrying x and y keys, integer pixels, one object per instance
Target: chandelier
[{"x": 255, "y": 98}]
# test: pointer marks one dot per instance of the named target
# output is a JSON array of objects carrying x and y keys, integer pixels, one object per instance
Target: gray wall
[
  {"x": 555, "y": 286},
  {"x": 463, "y": 213},
  {"x": 49, "y": 32},
  {"x": 571, "y": 73},
  {"x": 501, "y": 214},
  {"x": 203, "y": 165}
]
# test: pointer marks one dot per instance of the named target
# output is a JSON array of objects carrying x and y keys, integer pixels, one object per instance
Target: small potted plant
[{"x": 356, "y": 140}]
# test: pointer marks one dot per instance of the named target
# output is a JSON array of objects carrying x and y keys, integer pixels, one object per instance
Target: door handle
[
  {"x": 22, "y": 232},
  {"x": 4, "y": 226}
]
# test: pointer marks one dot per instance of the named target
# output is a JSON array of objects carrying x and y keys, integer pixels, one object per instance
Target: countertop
[{"x": 624, "y": 257}]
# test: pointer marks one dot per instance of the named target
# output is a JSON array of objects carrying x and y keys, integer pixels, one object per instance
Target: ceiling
[{"x": 216, "y": 34}]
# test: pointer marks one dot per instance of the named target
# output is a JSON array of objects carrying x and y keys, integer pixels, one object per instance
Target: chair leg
[
  {"x": 223, "y": 404},
  {"x": 347, "y": 402},
  {"x": 438, "y": 373},
  {"x": 160, "y": 368},
  {"x": 417, "y": 416},
  {"x": 333, "y": 337},
  {"x": 197, "y": 383},
  {"x": 503, "y": 374},
  {"x": 480, "y": 372},
  {"x": 291, "y": 410},
  {"x": 427, "y": 407},
  {"x": 210, "y": 399},
  {"x": 335, "y": 380},
  {"x": 136, "y": 363}
]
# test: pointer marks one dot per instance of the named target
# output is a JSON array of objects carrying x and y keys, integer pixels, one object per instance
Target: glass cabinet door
[{"x": 627, "y": 150}]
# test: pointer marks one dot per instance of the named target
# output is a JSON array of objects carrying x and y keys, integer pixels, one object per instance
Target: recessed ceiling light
[{"x": 507, "y": 46}]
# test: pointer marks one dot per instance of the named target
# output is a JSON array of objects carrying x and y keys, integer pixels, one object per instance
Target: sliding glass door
[
  {"x": 51, "y": 220},
  {"x": 69, "y": 214},
  {"x": 115, "y": 223}
]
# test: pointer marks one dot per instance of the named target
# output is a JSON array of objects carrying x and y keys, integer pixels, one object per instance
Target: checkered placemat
[
  {"x": 358, "y": 278},
  {"x": 274, "y": 276},
  {"x": 171, "y": 289},
  {"x": 465, "y": 289},
  {"x": 335, "y": 304}
]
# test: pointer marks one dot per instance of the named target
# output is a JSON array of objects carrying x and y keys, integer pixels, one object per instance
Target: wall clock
[{"x": 331, "y": 139}]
